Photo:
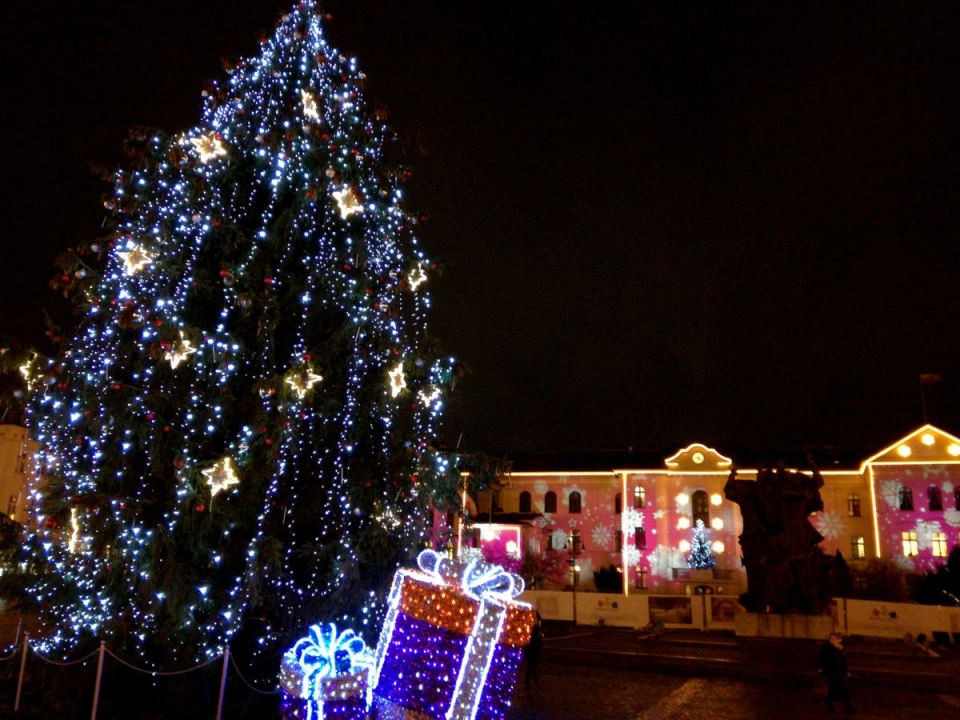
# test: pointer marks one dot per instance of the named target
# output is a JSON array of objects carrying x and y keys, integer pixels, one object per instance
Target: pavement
[{"x": 871, "y": 661}]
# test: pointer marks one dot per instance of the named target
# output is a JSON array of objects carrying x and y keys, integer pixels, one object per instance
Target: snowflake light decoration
[{"x": 602, "y": 536}]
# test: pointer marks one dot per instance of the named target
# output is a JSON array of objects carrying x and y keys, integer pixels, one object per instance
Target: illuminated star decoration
[
  {"x": 309, "y": 105},
  {"x": 180, "y": 353},
  {"x": 221, "y": 476},
  {"x": 397, "y": 381},
  {"x": 208, "y": 147},
  {"x": 347, "y": 203},
  {"x": 417, "y": 277},
  {"x": 136, "y": 259},
  {"x": 302, "y": 383},
  {"x": 427, "y": 398}
]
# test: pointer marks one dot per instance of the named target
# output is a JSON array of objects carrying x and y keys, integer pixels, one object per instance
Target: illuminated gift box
[
  {"x": 451, "y": 643},
  {"x": 324, "y": 676}
]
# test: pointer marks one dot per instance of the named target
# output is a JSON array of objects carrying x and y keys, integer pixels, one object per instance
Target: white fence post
[
  {"x": 223, "y": 680},
  {"x": 96, "y": 690},
  {"x": 23, "y": 669}
]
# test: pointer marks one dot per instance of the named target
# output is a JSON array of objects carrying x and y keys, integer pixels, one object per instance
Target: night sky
[{"x": 731, "y": 223}]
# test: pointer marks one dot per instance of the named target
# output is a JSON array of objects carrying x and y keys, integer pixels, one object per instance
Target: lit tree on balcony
[
  {"x": 243, "y": 425},
  {"x": 701, "y": 552}
]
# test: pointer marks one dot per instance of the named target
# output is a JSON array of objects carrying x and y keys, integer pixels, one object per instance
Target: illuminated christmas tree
[
  {"x": 244, "y": 425},
  {"x": 701, "y": 553}
]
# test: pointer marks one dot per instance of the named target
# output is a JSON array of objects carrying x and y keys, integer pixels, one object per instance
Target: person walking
[{"x": 832, "y": 662}]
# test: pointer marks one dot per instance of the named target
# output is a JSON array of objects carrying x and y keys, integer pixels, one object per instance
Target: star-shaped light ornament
[
  {"x": 347, "y": 203},
  {"x": 136, "y": 259},
  {"x": 397, "y": 381},
  {"x": 417, "y": 277},
  {"x": 181, "y": 352},
  {"x": 303, "y": 382},
  {"x": 208, "y": 147},
  {"x": 309, "y": 105},
  {"x": 221, "y": 476},
  {"x": 428, "y": 395}
]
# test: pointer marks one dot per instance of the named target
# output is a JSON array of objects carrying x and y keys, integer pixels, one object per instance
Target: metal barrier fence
[{"x": 23, "y": 650}]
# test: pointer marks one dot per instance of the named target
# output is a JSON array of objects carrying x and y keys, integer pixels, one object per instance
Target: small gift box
[
  {"x": 324, "y": 676},
  {"x": 451, "y": 643}
]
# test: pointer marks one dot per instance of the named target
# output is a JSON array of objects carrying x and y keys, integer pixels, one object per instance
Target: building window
[
  {"x": 938, "y": 541},
  {"x": 12, "y": 506},
  {"x": 639, "y": 498},
  {"x": 525, "y": 503},
  {"x": 906, "y": 498},
  {"x": 956, "y": 497},
  {"x": 701, "y": 508},
  {"x": 576, "y": 547},
  {"x": 853, "y": 505},
  {"x": 858, "y": 548},
  {"x": 21, "y": 467},
  {"x": 640, "y": 538},
  {"x": 934, "y": 498},
  {"x": 618, "y": 504},
  {"x": 619, "y": 540},
  {"x": 550, "y": 502},
  {"x": 910, "y": 548},
  {"x": 574, "y": 502}
]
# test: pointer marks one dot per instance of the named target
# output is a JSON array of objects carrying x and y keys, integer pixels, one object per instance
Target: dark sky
[{"x": 733, "y": 223}]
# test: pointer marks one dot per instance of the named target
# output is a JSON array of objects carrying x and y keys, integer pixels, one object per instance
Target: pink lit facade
[{"x": 901, "y": 503}]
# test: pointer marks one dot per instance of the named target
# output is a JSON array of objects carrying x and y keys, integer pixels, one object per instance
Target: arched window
[
  {"x": 906, "y": 498},
  {"x": 935, "y": 498},
  {"x": 550, "y": 502},
  {"x": 618, "y": 504},
  {"x": 639, "y": 497},
  {"x": 525, "y": 503},
  {"x": 618, "y": 537},
  {"x": 574, "y": 502},
  {"x": 853, "y": 505},
  {"x": 701, "y": 508}
]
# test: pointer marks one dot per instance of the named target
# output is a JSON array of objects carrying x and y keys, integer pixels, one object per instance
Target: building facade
[
  {"x": 17, "y": 452},
  {"x": 636, "y": 514}
]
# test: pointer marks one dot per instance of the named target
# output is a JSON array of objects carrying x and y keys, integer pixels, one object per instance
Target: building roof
[{"x": 655, "y": 459}]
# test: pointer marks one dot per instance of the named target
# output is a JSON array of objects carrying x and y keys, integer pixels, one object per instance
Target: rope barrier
[
  {"x": 233, "y": 663},
  {"x": 64, "y": 664},
  {"x": 103, "y": 651},
  {"x": 160, "y": 673}
]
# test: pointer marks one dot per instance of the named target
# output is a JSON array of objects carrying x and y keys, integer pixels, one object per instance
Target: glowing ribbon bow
[
  {"x": 476, "y": 577},
  {"x": 325, "y": 653}
]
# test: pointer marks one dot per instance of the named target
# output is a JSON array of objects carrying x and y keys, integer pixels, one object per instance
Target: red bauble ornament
[{"x": 201, "y": 508}]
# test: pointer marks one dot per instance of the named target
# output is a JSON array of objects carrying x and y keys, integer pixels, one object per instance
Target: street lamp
[{"x": 575, "y": 548}]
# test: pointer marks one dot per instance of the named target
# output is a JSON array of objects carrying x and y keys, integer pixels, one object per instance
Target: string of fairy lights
[{"x": 253, "y": 345}]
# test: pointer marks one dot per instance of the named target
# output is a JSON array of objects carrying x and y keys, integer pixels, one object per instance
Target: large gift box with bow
[
  {"x": 324, "y": 676},
  {"x": 451, "y": 642}
]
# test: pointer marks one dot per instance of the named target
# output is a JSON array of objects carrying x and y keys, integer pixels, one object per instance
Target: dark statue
[{"x": 786, "y": 570}]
